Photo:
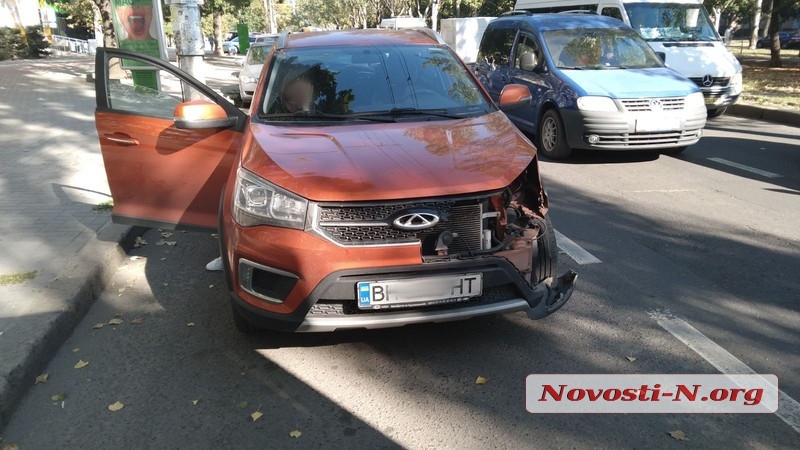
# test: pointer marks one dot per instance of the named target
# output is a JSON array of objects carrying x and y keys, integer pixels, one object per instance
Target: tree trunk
[
  {"x": 717, "y": 17},
  {"x": 767, "y": 16},
  {"x": 756, "y": 25},
  {"x": 775, "y": 49},
  {"x": 109, "y": 38},
  {"x": 434, "y": 14},
  {"x": 216, "y": 19}
]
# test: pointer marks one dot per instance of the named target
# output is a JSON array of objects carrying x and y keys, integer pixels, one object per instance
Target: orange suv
[{"x": 373, "y": 184}]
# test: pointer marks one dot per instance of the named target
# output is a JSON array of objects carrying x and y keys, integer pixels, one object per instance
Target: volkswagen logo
[
  {"x": 708, "y": 80},
  {"x": 416, "y": 219},
  {"x": 655, "y": 105}
]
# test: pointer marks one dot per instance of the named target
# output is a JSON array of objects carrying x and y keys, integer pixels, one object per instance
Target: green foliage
[
  {"x": 15, "y": 45},
  {"x": 80, "y": 13}
]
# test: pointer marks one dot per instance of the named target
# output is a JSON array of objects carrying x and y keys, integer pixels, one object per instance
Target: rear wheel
[
  {"x": 551, "y": 140},
  {"x": 545, "y": 260},
  {"x": 716, "y": 112}
]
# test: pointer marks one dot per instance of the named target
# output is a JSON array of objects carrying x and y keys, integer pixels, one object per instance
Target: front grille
[
  {"x": 371, "y": 224},
  {"x": 715, "y": 82},
  {"x": 653, "y": 104}
]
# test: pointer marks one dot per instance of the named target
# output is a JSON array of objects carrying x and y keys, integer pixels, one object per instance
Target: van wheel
[
  {"x": 716, "y": 112},
  {"x": 551, "y": 140},
  {"x": 545, "y": 261},
  {"x": 243, "y": 325}
]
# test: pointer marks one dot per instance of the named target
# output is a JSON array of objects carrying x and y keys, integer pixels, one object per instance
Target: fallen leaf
[
  {"x": 139, "y": 242},
  {"x": 481, "y": 380},
  {"x": 194, "y": 402},
  {"x": 115, "y": 321},
  {"x": 58, "y": 397},
  {"x": 166, "y": 234},
  {"x": 10, "y": 446},
  {"x": 210, "y": 286},
  {"x": 295, "y": 434},
  {"x": 97, "y": 326},
  {"x": 678, "y": 435},
  {"x": 214, "y": 235},
  {"x": 169, "y": 243},
  {"x": 41, "y": 379},
  {"x": 122, "y": 289},
  {"x": 256, "y": 415},
  {"x": 190, "y": 324},
  {"x": 137, "y": 321},
  {"x": 81, "y": 364},
  {"x": 242, "y": 405},
  {"x": 631, "y": 358},
  {"x": 76, "y": 350},
  {"x": 116, "y": 406},
  {"x": 164, "y": 259}
]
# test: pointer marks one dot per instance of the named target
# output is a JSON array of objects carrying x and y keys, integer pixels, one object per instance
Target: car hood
[
  {"x": 376, "y": 161},
  {"x": 252, "y": 70},
  {"x": 627, "y": 83}
]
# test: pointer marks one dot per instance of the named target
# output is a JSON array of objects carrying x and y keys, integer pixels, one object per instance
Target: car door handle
[{"x": 121, "y": 138}]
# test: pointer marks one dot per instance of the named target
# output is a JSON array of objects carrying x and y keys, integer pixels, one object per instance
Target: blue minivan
[{"x": 594, "y": 82}]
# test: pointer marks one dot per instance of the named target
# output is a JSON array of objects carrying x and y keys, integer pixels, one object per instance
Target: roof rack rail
[
  {"x": 281, "y": 43},
  {"x": 517, "y": 12},
  {"x": 577, "y": 11}
]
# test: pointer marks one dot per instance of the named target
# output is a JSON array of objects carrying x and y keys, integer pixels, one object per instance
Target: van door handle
[{"x": 121, "y": 138}]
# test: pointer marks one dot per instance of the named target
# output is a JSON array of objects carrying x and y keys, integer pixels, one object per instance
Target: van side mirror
[
  {"x": 198, "y": 114},
  {"x": 514, "y": 96},
  {"x": 663, "y": 56},
  {"x": 528, "y": 61}
]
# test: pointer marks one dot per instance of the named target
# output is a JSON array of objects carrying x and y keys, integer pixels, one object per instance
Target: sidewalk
[{"x": 51, "y": 180}]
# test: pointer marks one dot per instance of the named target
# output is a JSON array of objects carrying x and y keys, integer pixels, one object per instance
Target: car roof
[
  {"x": 562, "y": 21},
  {"x": 412, "y": 36}
]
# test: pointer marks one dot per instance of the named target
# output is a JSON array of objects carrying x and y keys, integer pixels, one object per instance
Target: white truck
[
  {"x": 679, "y": 31},
  {"x": 464, "y": 35}
]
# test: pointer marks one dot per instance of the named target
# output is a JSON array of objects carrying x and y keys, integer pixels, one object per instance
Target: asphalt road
[{"x": 681, "y": 240}]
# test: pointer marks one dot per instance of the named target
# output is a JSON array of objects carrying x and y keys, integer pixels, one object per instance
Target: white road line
[
  {"x": 788, "y": 408},
  {"x": 574, "y": 250},
  {"x": 763, "y": 173}
]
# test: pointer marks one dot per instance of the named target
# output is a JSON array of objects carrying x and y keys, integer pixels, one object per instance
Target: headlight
[
  {"x": 695, "y": 100},
  {"x": 249, "y": 80},
  {"x": 591, "y": 103},
  {"x": 735, "y": 87},
  {"x": 258, "y": 202}
]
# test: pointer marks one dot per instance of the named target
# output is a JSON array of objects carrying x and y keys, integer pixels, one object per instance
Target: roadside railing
[{"x": 68, "y": 44}]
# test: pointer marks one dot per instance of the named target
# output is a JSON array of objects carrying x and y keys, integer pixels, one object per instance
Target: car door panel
[{"x": 160, "y": 175}]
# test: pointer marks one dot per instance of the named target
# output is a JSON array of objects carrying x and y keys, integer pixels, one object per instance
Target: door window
[
  {"x": 611, "y": 11},
  {"x": 496, "y": 46},
  {"x": 526, "y": 44}
]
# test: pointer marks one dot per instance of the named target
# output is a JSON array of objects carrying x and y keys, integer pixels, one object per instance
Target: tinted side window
[
  {"x": 526, "y": 44},
  {"x": 496, "y": 46},
  {"x": 611, "y": 11}
]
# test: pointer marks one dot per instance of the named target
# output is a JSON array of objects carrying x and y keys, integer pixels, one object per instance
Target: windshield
[
  {"x": 359, "y": 81},
  {"x": 257, "y": 54},
  {"x": 599, "y": 48},
  {"x": 671, "y": 22}
]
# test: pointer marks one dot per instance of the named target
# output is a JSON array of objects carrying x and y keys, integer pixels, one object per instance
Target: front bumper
[
  {"x": 332, "y": 306},
  {"x": 619, "y": 130}
]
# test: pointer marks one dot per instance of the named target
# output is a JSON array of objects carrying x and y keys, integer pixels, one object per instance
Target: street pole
[{"x": 189, "y": 42}]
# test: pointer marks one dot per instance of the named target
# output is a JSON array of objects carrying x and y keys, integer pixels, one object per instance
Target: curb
[
  {"x": 79, "y": 284},
  {"x": 781, "y": 116}
]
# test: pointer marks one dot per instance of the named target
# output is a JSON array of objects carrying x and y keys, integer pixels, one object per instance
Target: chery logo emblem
[{"x": 413, "y": 220}]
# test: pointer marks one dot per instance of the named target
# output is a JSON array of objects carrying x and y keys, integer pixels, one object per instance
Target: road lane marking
[
  {"x": 763, "y": 173},
  {"x": 788, "y": 408},
  {"x": 575, "y": 251}
]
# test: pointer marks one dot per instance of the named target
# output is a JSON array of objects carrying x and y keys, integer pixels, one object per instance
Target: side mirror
[
  {"x": 663, "y": 56},
  {"x": 528, "y": 61},
  {"x": 198, "y": 114},
  {"x": 514, "y": 96}
]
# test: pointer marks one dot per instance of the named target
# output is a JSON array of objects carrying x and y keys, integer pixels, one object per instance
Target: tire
[
  {"x": 545, "y": 261},
  {"x": 716, "y": 112},
  {"x": 551, "y": 140},
  {"x": 242, "y": 324}
]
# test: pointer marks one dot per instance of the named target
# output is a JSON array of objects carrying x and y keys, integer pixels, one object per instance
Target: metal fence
[{"x": 68, "y": 44}]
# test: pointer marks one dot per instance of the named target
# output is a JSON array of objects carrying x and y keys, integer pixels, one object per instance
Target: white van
[
  {"x": 399, "y": 22},
  {"x": 678, "y": 30}
]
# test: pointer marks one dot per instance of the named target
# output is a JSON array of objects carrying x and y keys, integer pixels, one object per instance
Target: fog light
[{"x": 593, "y": 139}]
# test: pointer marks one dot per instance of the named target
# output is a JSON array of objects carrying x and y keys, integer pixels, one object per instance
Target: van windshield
[
  {"x": 599, "y": 48},
  {"x": 671, "y": 22},
  {"x": 359, "y": 81}
]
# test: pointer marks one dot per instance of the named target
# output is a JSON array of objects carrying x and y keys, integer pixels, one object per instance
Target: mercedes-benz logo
[
  {"x": 413, "y": 220},
  {"x": 708, "y": 80},
  {"x": 655, "y": 105}
]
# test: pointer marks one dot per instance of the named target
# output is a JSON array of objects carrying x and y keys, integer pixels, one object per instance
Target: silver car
[{"x": 251, "y": 69}]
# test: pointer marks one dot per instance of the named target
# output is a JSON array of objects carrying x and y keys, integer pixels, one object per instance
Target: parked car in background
[
  {"x": 766, "y": 41},
  {"x": 268, "y": 39},
  {"x": 794, "y": 41},
  {"x": 595, "y": 84},
  {"x": 373, "y": 184},
  {"x": 251, "y": 69},
  {"x": 232, "y": 47}
]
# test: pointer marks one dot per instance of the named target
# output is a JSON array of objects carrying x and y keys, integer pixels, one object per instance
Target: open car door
[{"x": 168, "y": 141}]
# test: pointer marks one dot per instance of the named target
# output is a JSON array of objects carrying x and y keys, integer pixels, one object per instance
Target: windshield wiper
[
  {"x": 319, "y": 115},
  {"x": 423, "y": 112}
]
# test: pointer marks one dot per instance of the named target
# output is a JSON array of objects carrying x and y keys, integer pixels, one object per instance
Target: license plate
[
  {"x": 650, "y": 124},
  {"x": 418, "y": 291},
  {"x": 711, "y": 100}
]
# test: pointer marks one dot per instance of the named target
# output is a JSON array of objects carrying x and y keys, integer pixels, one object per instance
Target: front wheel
[
  {"x": 545, "y": 260},
  {"x": 551, "y": 140}
]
